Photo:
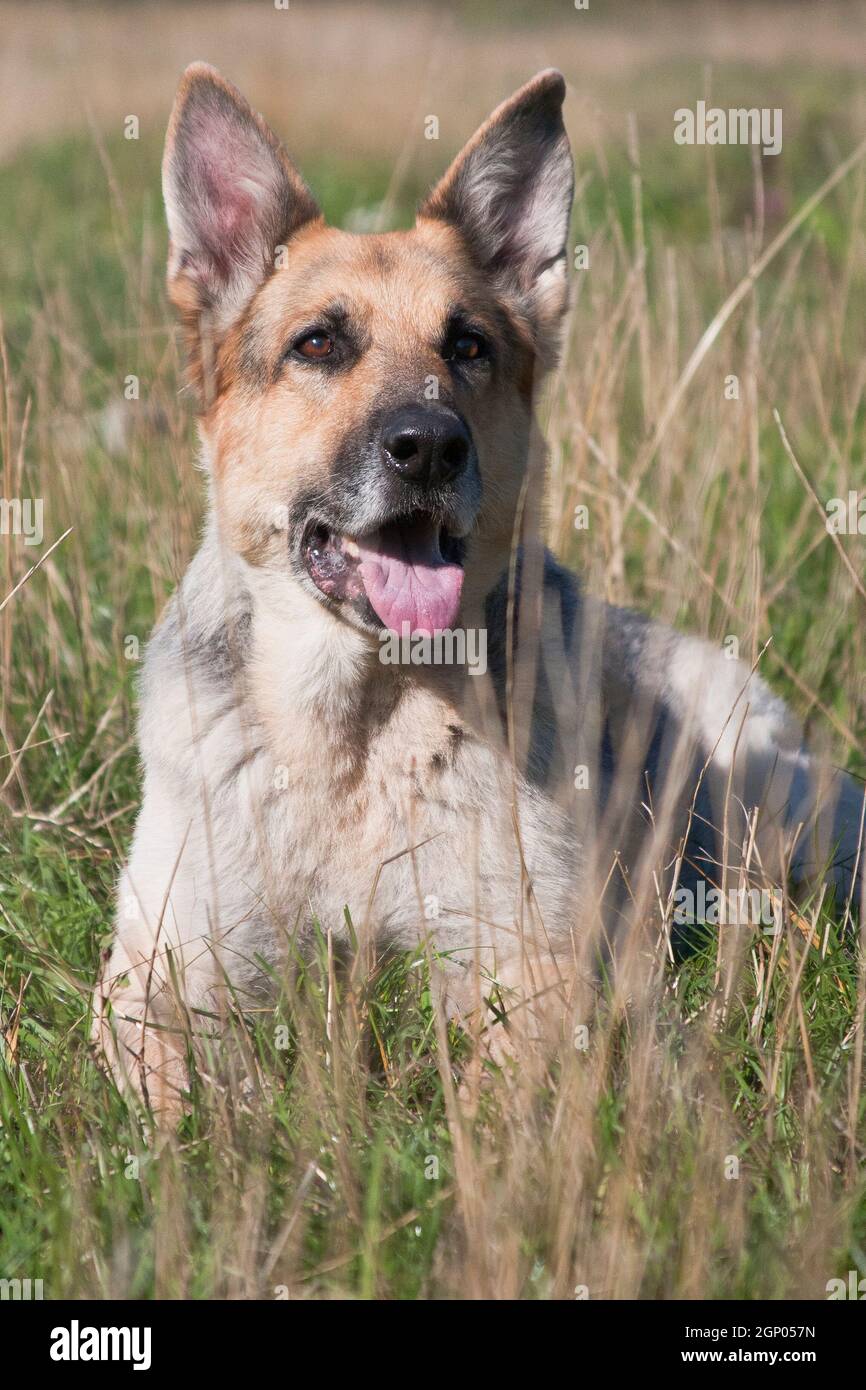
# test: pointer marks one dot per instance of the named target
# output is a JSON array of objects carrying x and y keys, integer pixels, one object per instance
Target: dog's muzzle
[{"x": 412, "y": 497}]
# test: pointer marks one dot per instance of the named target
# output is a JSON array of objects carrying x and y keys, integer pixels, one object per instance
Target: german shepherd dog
[{"x": 374, "y": 468}]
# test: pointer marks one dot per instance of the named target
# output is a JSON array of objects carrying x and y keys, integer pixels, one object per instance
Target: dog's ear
[
  {"x": 509, "y": 193},
  {"x": 232, "y": 198}
]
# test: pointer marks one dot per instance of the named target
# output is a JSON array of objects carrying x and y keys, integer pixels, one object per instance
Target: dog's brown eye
[
  {"x": 315, "y": 346},
  {"x": 468, "y": 347}
]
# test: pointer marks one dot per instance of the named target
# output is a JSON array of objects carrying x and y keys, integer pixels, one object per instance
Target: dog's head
[{"x": 366, "y": 400}]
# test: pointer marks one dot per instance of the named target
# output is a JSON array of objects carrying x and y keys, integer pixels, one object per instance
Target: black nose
[{"x": 425, "y": 446}]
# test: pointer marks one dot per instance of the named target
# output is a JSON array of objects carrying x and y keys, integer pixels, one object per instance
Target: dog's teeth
[{"x": 351, "y": 548}]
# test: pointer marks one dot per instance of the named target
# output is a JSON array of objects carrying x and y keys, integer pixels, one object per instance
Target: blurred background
[{"x": 350, "y": 78}]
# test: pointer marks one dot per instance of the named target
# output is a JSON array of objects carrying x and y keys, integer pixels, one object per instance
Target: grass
[{"x": 347, "y": 1167}]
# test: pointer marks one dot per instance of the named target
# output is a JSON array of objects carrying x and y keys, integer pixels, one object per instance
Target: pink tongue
[{"x": 407, "y": 580}]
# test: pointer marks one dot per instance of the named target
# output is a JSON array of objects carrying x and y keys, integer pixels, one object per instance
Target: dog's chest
[{"x": 409, "y": 823}]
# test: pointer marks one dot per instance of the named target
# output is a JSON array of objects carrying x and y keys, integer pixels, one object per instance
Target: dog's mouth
[{"x": 409, "y": 571}]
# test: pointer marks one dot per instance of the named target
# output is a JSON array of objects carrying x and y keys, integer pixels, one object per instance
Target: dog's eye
[
  {"x": 468, "y": 347},
  {"x": 315, "y": 346}
]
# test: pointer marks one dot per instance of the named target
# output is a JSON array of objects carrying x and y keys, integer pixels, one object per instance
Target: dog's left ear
[{"x": 509, "y": 193}]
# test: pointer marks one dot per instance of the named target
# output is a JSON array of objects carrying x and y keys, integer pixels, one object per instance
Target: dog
[{"x": 366, "y": 416}]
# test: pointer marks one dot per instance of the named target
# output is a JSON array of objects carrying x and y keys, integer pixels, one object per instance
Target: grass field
[{"x": 710, "y": 1141}]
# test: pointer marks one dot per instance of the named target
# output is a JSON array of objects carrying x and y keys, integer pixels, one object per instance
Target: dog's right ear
[{"x": 232, "y": 198}]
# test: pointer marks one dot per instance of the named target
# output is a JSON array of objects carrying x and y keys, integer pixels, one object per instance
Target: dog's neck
[
  {"x": 315, "y": 679},
  {"x": 316, "y": 682}
]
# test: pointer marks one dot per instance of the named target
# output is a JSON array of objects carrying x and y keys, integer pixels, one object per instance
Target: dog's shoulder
[
  {"x": 205, "y": 626},
  {"x": 562, "y": 591},
  {"x": 191, "y": 676}
]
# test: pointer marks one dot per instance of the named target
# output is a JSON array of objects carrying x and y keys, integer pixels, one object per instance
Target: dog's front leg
[
  {"x": 141, "y": 1023},
  {"x": 141, "y": 1036},
  {"x": 517, "y": 1010}
]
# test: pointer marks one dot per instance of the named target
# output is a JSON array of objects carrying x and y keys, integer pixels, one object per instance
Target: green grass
[{"x": 319, "y": 1180}]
